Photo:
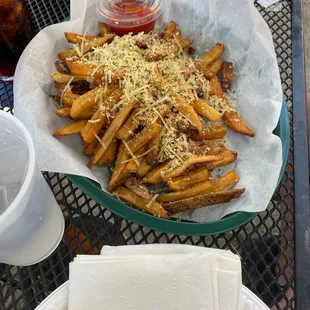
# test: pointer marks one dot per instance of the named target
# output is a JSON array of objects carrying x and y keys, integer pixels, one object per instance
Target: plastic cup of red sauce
[{"x": 125, "y": 16}]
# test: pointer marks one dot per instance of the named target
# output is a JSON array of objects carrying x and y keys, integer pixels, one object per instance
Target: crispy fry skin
[
  {"x": 91, "y": 99},
  {"x": 204, "y": 109},
  {"x": 212, "y": 55},
  {"x": 110, "y": 155},
  {"x": 227, "y": 75},
  {"x": 141, "y": 203},
  {"x": 109, "y": 135},
  {"x": 203, "y": 201},
  {"x": 89, "y": 149},
  {"x": 143, "y": 169},
  {"x": 210, "y": 133},
  {"x": 216, "y": 66},
  {"x": 228, "y": 158},
  {"x": 71, "y": 129},
  {"x": 60, "y": 77},
  {"x": 78, "y": 69},
  {"x": 189, "y": 162},
  {"x": 63, "y": 112},
  {"x": 202, "y": 188},
  {"x": 68, "y": 98},
  {"x": 66, "y": 54},
  {"x": 103, "y": 29},
  {"x": 135, "y": 144},
  {"x": 185, "y": 181},
  {"x": 77, "y": 38},
  {"x": 156, "y": 175},
  {"x": 154, "y": 146},
  {"x": 170, "y": 31},
  {"x": 100, "y": 119},
  {"x": 132, "y": 166},
  {"x": 129, "y": 127}
]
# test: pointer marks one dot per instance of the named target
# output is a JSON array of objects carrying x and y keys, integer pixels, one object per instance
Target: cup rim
[{"x": 31, "y": 165}]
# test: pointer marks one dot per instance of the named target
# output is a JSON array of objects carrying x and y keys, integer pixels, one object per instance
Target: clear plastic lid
[{"x": 129, "y": 13}]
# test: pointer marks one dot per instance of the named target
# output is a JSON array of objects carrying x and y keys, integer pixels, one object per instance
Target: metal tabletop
[{"x": 274, "y": 246}]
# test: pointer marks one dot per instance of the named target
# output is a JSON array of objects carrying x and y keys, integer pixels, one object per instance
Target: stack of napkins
[{"x": 160, "y": 276}]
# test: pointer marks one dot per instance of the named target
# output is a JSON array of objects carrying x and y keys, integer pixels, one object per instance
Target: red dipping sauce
[{"x": 125, "y": 16}]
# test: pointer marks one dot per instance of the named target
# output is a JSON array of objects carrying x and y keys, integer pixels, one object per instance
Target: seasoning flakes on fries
[{"x": 145, "y": 105}]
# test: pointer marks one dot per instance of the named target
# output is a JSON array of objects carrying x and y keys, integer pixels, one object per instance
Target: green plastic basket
[{"x": 229, "y": 222}]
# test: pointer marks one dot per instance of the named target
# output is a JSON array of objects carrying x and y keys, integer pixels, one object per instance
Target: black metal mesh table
[{"x": 273, "y": 246}]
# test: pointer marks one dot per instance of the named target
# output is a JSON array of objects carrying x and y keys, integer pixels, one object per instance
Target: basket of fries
[{"x": 158, "y": 126}]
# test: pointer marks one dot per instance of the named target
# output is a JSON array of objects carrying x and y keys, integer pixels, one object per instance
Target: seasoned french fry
[
  {"x": 216, "y": 88},
  {"x": 216, "y": 66},
  {"x": 99, "y": 41},
  {"x": 204, "y": 109},
  {"x": 109, "y": 156},
  {"x": 135, "y": 185},
  {"x": 132, "y": 166},
  {"x": 146, "y": 205},
  {"x": 103, "y": 29},
  {"x": 183, "y": 182},
  {"x": 134, "y": 145},
  {"x": 60, "y": 77},
  {"x": 155, "y": 176},
  {"x": 202, "y": 188},
  {"x": 66, "y": 54},
  {"x": 99, "y": 120},
  {"x": 170, "y": 31},
  {"x": 154, "y": 146},
  {"x": 77, "y": 38},
  {"x": 63, "y": 112},
  {"x": 78, "y": 69},
  {"x": 188, "y": 111},
  {"x": 212, "y": 55},
  {"x": 71, "y": 129},
  {"x": 129, "y": 127},
  {"x": 203, "y": 201},
  {"x": 89, "y": 149},
  {"x": 227, "y": 75},
  {"x": 60, "y": 86},
  {"x": 228, "y": 158},
  {"x": 109, "y": 135},
  {"x": 143, "y": 169},
  {"x": 210, "y": 133},
  {"x": 189, "y": 162},
  {"x": 205, "y": 70},
  {"x": 90, "y": 99},
  {"x": 236, "y": 123},
  {"x": 68, "y": 98}
]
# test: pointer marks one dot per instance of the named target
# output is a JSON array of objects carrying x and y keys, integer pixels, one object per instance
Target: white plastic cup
[{"x": 32, "y": 224}]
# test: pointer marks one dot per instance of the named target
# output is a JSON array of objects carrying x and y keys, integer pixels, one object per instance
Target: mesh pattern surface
[{"x": 266, "y": 244}]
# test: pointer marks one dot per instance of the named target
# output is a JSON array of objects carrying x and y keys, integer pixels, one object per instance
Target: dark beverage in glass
[{"x": 15, "y": 34}]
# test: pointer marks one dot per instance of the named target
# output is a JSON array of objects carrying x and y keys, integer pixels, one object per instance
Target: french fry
[
  {"x": 132, "y": 166},
  {"x": 202, "y": 188},
  {"x": 216, "y": 66},
  {"x": 228, "y": 158},
  {"x": 109, "y": 135},
  {"x": 71, "y": 129},
  {"x": 135, "y": 185},
  {"x": 155, "y": 176},
  {"x": 204, "y": 109},
  {"x": 185, "y": 181},
  {"x": 60, "y": 77},
  {"x": 216, "y": 88},
  {"x": 77, "y": 38},
  {"x": 63, "y": 112},
  {"x": 203, "y": 201},
  {"x": 129, "y": 127},
  {"x": 134, "y": 145},
  {"x": 87, "y": 114},
  {"x": 89, "y": 149},
  {"x": 103, "y": 29},
  {"x": 170, "y": 31},
  {"x": 62, "y": 67},
  {"x": 99, "y": 120},
  {"x": 66, "y": 54},
  {"x": 90, "y": 99},
  {"x": 227, "y": 75},
  {"x": 189, "y": 162},
  {"x": 60, "y": 86},
  {"x": 154, "y": 146},
  {"x": 78, "y": 69},
  {"x": 143, "y": 169},
  {"x": 212, "y": 55},
  {"x": 110, "y": 154},
  {"x": 210, "y": 133},
  {"x": 188, "y": 111},
  {"x": 146, "y": 205},
  {"x": 236, "y": 123},
  {"x": 68, "y": 98}
]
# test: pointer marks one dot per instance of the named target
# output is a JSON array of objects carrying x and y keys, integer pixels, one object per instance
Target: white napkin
[{"x": 156, "y": 277}]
